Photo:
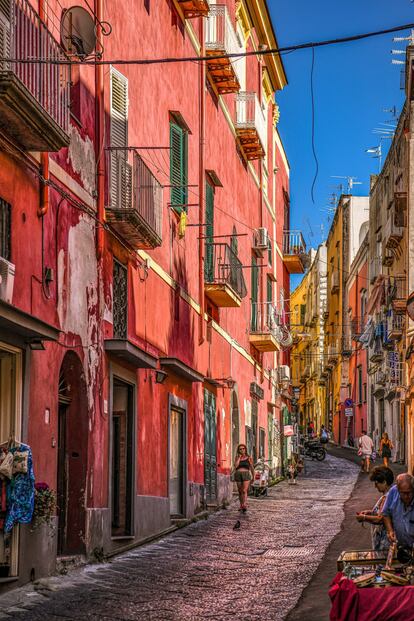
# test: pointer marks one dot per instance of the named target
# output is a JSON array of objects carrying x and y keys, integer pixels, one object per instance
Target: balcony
[
  {"x": 395, "y": 370},
  {"x": 346, "y": 346},
  {"x": 397, "y": 293},
  {"x": 265, "y": 334},
  {"x": 221, "y": 39},
  {"x": 294, "y": 252},
  {"x": 135, "y": 200},
  {"x": 374, "y": 268},
  {"x": 335, "y": 281},
  {"x": 394, "y": 229},
  {"x": 194, "y": 8},
  {"x": 251, "y": 126},
  {"x": 379, "y": 382},
  {"x": 395, "y": 326},
  {"x": 333, "y": 354},
  {"x": 305, "y": 373},
  {"x": 223, "y": 276},
  {"x": 34, "y": 98},
  {"x": 376, "y": 352}
]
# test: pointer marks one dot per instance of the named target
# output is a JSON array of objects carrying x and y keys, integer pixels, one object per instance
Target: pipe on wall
[
  {"x": 201, "y": 181},
  {"x": 100, "y": 133}
]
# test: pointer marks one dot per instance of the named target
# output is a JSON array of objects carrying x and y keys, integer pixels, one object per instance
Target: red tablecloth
[{"x": 370, "y": 604}]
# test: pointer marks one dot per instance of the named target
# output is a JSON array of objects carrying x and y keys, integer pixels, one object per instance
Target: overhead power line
[{"x": 186, "y": 59}]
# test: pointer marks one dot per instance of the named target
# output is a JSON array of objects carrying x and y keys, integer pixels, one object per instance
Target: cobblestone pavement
[{"x": 208, "y": 570}]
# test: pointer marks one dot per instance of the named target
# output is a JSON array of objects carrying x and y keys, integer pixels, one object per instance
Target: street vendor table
[{"x": 350, "y": 603}]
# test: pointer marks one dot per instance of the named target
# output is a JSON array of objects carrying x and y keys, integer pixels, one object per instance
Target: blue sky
[{"x": 353, "y": 84}]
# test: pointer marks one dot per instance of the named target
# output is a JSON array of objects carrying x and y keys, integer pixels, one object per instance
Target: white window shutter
[{"x": 121, "y": 170}]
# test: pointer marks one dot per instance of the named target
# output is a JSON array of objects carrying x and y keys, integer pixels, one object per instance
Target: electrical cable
[
  {"x": 313, "y": 127},
  {"x": 183, "y": 59}
]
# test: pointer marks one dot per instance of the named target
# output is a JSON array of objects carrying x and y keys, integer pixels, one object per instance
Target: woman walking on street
[
  {"x": 383, "y": 478},
  {"x": 244, "y": 474},
  {"x": 385, "y": 448}
]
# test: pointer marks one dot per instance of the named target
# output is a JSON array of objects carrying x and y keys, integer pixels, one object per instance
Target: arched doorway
[
  {"x": 235, "y": 425},
  {"x": 72, "y": 456}
]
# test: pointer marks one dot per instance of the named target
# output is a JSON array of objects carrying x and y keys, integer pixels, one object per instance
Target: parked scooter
[
  {"x": 314, "y": 449},
  {"x": 260, "y": 483}
]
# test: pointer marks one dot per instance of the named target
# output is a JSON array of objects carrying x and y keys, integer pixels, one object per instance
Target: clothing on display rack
[{"x": 17, "y": 483}]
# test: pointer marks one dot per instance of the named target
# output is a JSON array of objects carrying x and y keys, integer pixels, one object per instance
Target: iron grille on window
[
  {"x": 120, "y": 303},
  {"x": 5, "y": 229}
]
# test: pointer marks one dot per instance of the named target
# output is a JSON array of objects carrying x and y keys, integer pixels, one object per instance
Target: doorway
[
  {"x": 176, "y": 461},
  {"x": 255, "y": 412},
  {"x": 210, "y": 449},
  {"x": 122, "y": 476},
  {"x": 72, "y": 456},
  {"x": 235, "y": 425}
]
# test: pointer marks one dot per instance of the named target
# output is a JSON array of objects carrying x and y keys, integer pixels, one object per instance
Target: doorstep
[{"x": 65, "y": 563}]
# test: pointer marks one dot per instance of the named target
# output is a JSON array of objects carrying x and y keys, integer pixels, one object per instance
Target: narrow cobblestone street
[{"x": 208, "y": 570}]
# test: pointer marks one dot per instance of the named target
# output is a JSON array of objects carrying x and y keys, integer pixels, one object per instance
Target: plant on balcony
[{"x": 44, "y": 505}]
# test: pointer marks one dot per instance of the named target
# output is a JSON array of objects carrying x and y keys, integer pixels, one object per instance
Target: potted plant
[{"x": 44, "y": 505}]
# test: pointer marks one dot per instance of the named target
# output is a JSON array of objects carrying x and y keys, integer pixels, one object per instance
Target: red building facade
[{"x": 143, "y": 326}]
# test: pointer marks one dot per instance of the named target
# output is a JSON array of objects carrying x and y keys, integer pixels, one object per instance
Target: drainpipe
[
  {"x": 100, "y": 121},
  {"x": 201, "y": 182},
  {"x": 44, "y": 157}
]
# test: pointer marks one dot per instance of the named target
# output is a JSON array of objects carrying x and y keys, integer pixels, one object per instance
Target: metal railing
[
  {"x": 24, "y": 35},
  {"x": 249, "y": 115},
  {"x": 395, "y": 368},
  {"x": 222, "y": 266},
  {"x": 265, "y": 319},
  {"x": 397, "y": 289},
  {"x": 395, "y": 323},
  {"x": 374, "y": 268},
  {"x": 380, "y": 377},
  {"x": 132, "y": 185},
  {"x": 394, "y": 227},
  {"x": 293, "y": 243},
  {"x": 333, "y": 351},
  {"x": 221, "y": 35}
]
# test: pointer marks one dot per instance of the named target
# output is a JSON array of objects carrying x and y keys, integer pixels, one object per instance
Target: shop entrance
[
  {"x": 176, "y": 461},
  {"x": 210, "y": 450},
  {"x": 122, "y": 458},
  {"x": 72, "y": 456},
  {"x": 235, "y": 426},
  {"x": 10, "y": 428}
]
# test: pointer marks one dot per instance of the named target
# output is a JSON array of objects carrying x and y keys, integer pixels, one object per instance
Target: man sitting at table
[{"x": 398, "y": 511}]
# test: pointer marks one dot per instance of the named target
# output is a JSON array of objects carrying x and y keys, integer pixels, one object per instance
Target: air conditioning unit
[
  {"x": 283, "y": 373},
  {"x": 261, "y": 240},
  {"x": 6, "y": 280}
]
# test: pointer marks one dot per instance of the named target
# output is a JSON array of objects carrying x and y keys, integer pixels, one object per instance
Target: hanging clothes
[{"x": 20, "y": 493}]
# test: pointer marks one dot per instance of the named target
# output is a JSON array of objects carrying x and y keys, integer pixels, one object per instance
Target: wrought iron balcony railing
[
  {"x": 294, "y": 252},
  {"x": 34, "y": 97},
  {"x": 135, "y": 199},
  {"x": 223, "y": 267},
  {"x": 265, "y": 318}
]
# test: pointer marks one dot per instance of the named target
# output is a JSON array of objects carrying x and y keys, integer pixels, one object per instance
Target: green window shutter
[
  {"x": 269, "y": 291},
  {"x": 209, "y": 229},
  {"x": 269, "y": 253},
  {"x": 178, "y": 167},
  {"x": 254, "y": 294}
]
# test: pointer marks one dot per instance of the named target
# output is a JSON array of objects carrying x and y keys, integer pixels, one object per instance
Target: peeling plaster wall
[
  {"x": 81, "y": 155},
  {"x": 78, "y": 297}
]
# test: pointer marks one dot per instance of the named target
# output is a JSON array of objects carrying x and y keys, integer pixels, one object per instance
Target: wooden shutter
[
  {"x": 178, "y": 166},
  {"x": 4, "y": 32},
  {"x": 254, "y": 294},
  {"x": 5, "y": 229},
  {"x": 208, "y": 260},
  {"x": 121, "y": 171}
]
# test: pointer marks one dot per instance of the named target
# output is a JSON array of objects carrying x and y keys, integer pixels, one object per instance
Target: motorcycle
[
  {"x": 260, "y": 482},
  {"x": 313, "y": 449}
]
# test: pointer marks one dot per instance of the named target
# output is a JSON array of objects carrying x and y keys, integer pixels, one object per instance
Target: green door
[
  {"x": 255, "y": 408},
  {"x": 209, "y": 218},
  {"x": 254, "y": 295},
  {"x": 210, "y": 450}
]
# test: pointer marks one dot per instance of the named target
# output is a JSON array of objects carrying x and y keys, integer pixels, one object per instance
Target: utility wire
[
  {"x": 313, "y": 127},
  {"x": 185, "y": 59}
]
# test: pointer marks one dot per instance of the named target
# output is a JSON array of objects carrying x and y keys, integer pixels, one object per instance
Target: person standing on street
[
  {"x": 398, "y": 511},
  {"x": 323, "y": 436},
  {"x": 243, "y": 475},
  {"x": 385, "y": 448},
  {"x": 366, "y": 447},
  {"x": 383, "y": 479}
]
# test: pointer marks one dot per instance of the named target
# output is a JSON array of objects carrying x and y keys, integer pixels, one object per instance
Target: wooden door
[{"x": 210, "y": 450}]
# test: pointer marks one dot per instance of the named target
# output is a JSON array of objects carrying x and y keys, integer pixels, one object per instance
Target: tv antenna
[
  {"x": 350, "y": 182},
  {"x": 393, "y": 111},
  {"x": 376, "y": 153}
]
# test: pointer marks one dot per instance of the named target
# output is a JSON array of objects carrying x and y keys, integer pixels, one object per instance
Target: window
[
  {"x": 302, "y": 314},
  {"x": 269, "y": 291},
  {"x": 120, "y": 300},
  {"x": 5, "y": 230},
  {"x": 359, "y": 371},
  {"x": 365, "y": 392},
  {"x": 269, "y": 253},
  {"x": 178, "y": 166},
  {"x": 209, "y": 233},
  {"x": 121, "y": 170},
  {"x": 262, "y": 441}
]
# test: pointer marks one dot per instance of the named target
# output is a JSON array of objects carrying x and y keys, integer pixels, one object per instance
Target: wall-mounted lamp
[
  {"x": 37, "y": 345},
  {"x": 160, "y": 376}
]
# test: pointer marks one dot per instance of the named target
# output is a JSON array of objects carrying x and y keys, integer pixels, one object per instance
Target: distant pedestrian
[
  {"x": 323, "y": 436},
  {"x": 383, "y": 478},
  {"x": 385, "y": 448},
  {"x": 366, "y": 447},
  {"x": 310, "y": 430},
  {"x": 243, "y": 475}
]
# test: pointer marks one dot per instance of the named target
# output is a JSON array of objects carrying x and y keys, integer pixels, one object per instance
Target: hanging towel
[{"x": 20, "y": 493}]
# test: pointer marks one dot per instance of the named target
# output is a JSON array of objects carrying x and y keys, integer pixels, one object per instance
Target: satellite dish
[{"x": 77, "y": 32}]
